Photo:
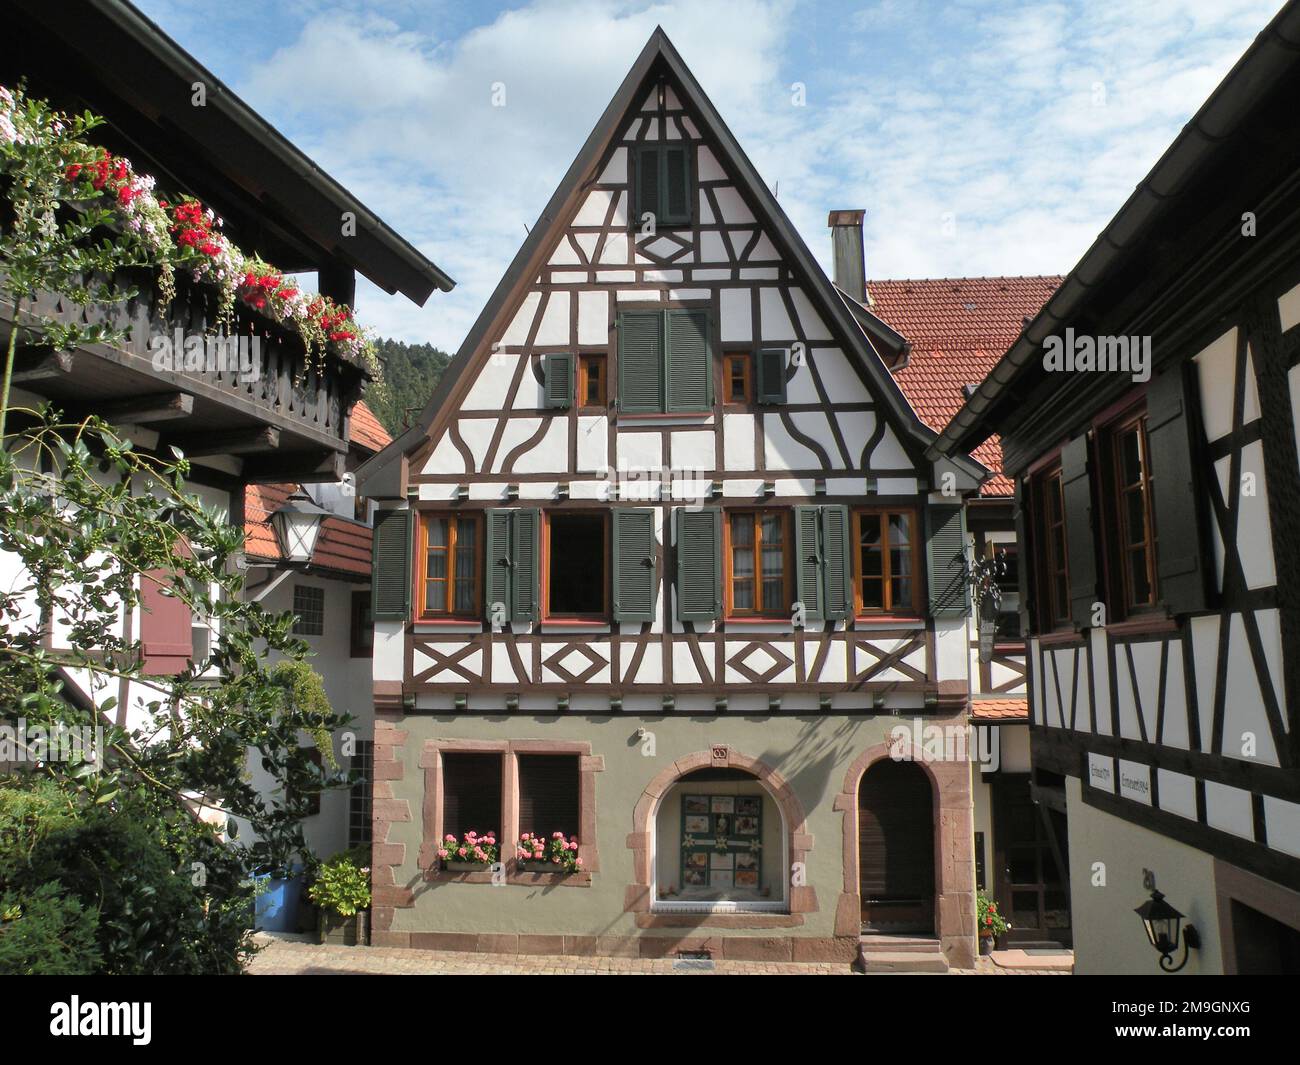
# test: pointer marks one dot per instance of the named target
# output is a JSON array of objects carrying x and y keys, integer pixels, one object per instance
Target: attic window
[{"x": 663, "y": 187}]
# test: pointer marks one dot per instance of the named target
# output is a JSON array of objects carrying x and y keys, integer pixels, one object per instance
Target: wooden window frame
[
  {"x": 474, "y": 612},
  {"x": 585, "y": 361},
  {"x": 1116, "y": 541},
  {"x": 544, "y": 573},
  {"x": 746, "y": 361},
  {"x": 890, "y": 608},
  {"x": 730, "y": 610},
  {"x": 1050, "y": 615},
  {"x": 357, "y": 625}
]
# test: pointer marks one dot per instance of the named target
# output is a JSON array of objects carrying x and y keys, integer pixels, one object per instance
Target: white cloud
[{"x": 923, "y": 114}]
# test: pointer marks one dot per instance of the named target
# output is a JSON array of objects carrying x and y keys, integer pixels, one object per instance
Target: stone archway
[
  {"x": 954, "y": 848},
  {"x": 638, "y": 897}
]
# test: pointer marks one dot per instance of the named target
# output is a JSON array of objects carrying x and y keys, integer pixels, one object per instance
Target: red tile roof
[
  {"x": 343, "y": 545},
  {"x": 999, "y": 710},
  {"x": 958, "y": 327},
  {"x": 366, "y": 431}
]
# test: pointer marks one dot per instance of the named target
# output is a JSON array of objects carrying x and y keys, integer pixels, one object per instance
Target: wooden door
[
  {"x": 1028, "y": 886},
  {"x": 896, "y": 848}
]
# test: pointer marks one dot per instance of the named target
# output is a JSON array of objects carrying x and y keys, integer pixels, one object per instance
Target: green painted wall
[{"x": 811, "y": 753}]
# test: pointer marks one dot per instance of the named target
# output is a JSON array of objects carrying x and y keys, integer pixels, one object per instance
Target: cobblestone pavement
[{"x": 291, "y": 957}]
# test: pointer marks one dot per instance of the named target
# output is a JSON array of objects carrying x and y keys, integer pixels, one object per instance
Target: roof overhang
[{"x": 109, "y": 57}]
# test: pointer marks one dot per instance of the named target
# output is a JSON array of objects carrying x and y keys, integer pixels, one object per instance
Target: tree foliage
[{"x": 411, "y": 373}]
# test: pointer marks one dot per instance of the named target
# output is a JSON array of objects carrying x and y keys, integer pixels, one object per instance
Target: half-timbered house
[
  {"x": 663, "y": 567},
  {"x": 1149, "y": 416}
]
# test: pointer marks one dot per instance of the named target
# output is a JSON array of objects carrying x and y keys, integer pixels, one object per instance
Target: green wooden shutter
[
  {"x": 690, "y": 366},
  {"x": 945, "y": 556},
  {"x": 1025, "y": 556},
  {"x": 648, "y": 183},
  {"x": 1081, "y": 558},
  {"x": 640, "y": 362},
  {"x": 770, "y": 373},
  {"x": 498, "y": 561},
  {"x": 1183, "y": 564},
  {"x": 391, "y": 562},
  {"x": 837, "y": 562},
  {"x": 634, "y": 564},
  {"x": 808, "y": 562},
  {"x": 525, "y": 552},
  {"x": 699, "y": 564},
  {"x": 558, "y": 374},
  {"x": 675, "y": 202}
]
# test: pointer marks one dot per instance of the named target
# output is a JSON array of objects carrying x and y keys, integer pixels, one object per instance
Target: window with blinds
[
  {"x": 548, "y": 794},
  {"x": 361, "y": 793},
  {"x": 471, "y": 793}
]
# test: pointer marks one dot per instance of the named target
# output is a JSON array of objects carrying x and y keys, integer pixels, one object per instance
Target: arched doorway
[{"x": 896, "y": 848}]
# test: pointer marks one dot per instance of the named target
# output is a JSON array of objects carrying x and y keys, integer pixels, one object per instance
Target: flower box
[
  {"x": 335, "y": 929},
  {"x": 543, "y": 866}
]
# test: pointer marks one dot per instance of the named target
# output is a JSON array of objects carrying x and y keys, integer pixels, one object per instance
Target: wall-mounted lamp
[
  {"x": 297, "y": 525},
  {"x": 1160, "y": 921}
]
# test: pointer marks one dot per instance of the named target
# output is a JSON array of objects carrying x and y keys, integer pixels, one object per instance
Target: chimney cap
[{"x": 846, "y": 218}]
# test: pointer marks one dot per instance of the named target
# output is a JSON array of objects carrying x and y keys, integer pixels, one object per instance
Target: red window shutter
[{"x": 165, "y": 624}]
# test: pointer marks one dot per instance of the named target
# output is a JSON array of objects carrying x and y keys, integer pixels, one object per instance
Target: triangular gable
[{"x": 384, "y": 475}]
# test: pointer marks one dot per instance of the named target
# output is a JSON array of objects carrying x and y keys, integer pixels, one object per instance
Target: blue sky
[{"x": 981, "y": 137}]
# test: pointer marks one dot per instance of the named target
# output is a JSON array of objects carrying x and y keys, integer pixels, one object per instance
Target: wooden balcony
[{"x": 253, "y": 396}]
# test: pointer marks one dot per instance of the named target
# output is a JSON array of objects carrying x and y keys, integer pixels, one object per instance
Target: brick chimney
[{"x": 850, "y": 261}]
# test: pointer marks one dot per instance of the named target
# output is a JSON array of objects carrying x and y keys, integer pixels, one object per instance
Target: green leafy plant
[
  {"x": 89, "y": 522},
  {"x": 341, "y": 885},
  {"x": 990, "y": 922}
]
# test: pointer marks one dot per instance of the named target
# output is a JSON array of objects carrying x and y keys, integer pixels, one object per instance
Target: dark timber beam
[
  {"x": 299, "y": 467},
  {"x": 144, "y": 410},
  {"x": 237, "y": 442},
  {"x": 42, "y": 367}
]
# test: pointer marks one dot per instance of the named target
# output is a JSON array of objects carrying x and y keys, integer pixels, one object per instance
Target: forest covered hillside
[{"x": 411, "y": 372}]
